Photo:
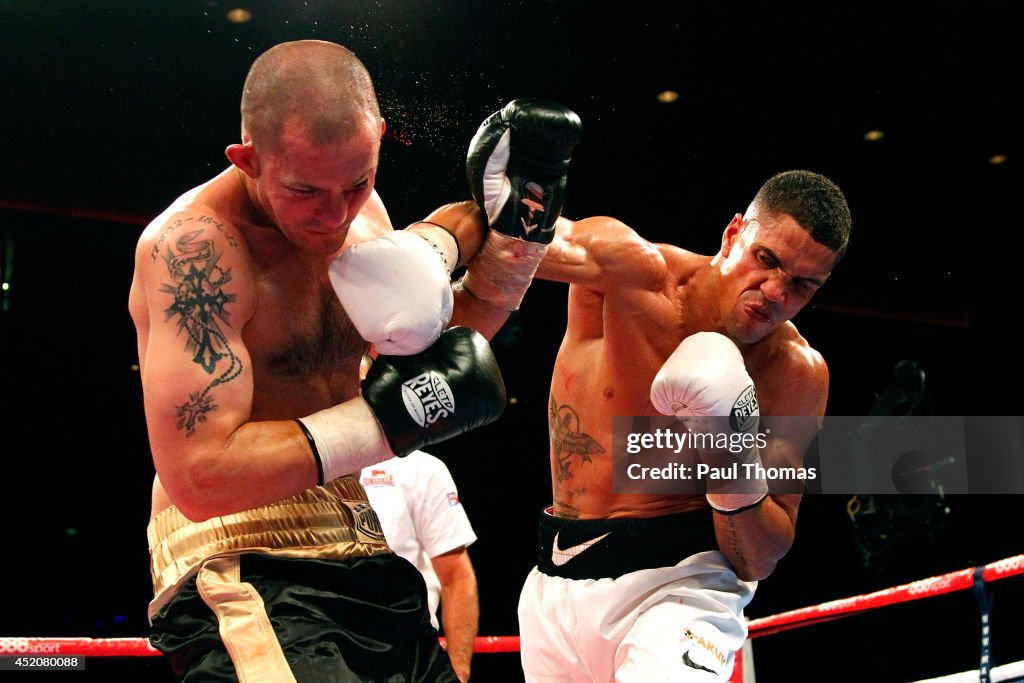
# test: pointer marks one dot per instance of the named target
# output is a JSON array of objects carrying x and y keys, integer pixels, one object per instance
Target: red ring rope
[
  {"x": 925, "y": 588},
  {"x": 805, "y": 616},
  {"x": 140, "y": 647}
]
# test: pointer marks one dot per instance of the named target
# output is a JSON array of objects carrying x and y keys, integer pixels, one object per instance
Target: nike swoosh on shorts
[
  {"x": 694, "y": 665},
  {"x": 560, "y": 556}
]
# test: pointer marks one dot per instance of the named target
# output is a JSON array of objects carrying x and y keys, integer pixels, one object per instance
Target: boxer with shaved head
[{"x": 255, "y": 296}]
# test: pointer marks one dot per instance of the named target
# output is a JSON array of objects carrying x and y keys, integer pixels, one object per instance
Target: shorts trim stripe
[{"x": 243, "y": 623}]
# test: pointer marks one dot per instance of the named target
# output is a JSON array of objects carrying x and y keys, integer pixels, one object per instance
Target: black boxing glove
[
  {"x": 409, "y": 402},
  {"x": 452, "y": 387},
  {"x": 517, "y": 167}
]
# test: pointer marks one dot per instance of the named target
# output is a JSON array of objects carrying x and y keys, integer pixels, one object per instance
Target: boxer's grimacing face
[
  {"x": 770, "y": 268},
  {"x": 313, "y": 191}
]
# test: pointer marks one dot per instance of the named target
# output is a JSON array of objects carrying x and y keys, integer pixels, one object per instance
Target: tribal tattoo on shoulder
[
  {"x": 567, "y": 441},
  {"x": 199, "y": 305}
]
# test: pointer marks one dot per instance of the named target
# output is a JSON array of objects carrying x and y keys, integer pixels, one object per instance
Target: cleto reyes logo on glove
[
  {"x": 745, "y": 411},
  {"x": 428, "y": 398}
]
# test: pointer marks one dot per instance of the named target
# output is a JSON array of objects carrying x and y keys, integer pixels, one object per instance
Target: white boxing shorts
[{"x": 631, "y": 600}]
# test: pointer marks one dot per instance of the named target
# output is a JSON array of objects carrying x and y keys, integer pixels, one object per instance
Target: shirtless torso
[
  {"x": 628, "y": 585},
  {"x": 630, "y": 304},
  {"x": 300, "y": 353}
]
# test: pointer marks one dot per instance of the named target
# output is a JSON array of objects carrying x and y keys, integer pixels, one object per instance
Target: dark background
[{"x": 111, "y": 109}]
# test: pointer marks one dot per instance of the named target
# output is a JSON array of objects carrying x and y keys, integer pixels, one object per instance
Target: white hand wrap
[
  {"x": 735, "y": 495},
  {"x": 502, "y": 271},
  {"x": 397, "y": 289},
  {"x": 705, "y": 384},
  {"x": 345, "y": 438}
]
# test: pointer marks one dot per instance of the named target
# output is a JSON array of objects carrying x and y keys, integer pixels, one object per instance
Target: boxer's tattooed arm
[
  {"x": 177, "y": 223},
  {"x": 199, "y": 305},
  {"x": 567, "y": 441},
  {"x": 737, "y": 552}
]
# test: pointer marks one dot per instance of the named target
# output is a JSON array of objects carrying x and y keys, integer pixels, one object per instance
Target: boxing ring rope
[
  {"x": 140, "y": 647},
  {"x": 964, "y": 579},
  {"x": 972, "y": 578},
  {"x": 926, "y": 588}
]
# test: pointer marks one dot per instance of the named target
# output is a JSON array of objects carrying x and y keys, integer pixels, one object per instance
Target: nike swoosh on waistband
[{"x": 560, "y": 556}]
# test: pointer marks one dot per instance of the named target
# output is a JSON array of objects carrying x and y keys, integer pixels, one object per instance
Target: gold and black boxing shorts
[{"x": 305, "y": 589}]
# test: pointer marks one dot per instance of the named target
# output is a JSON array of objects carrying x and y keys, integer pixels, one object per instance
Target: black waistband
[{"x": 628, "y": 545}]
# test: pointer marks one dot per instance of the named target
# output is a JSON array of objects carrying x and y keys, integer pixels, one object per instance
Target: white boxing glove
[
  {"x": 705, "y": 384},
  {"x": 396, "y": 289}
]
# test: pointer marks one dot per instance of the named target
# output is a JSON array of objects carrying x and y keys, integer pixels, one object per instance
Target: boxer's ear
[
  {"x": 243, "y": 155},
  {"x": 731, "y": 232}
]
